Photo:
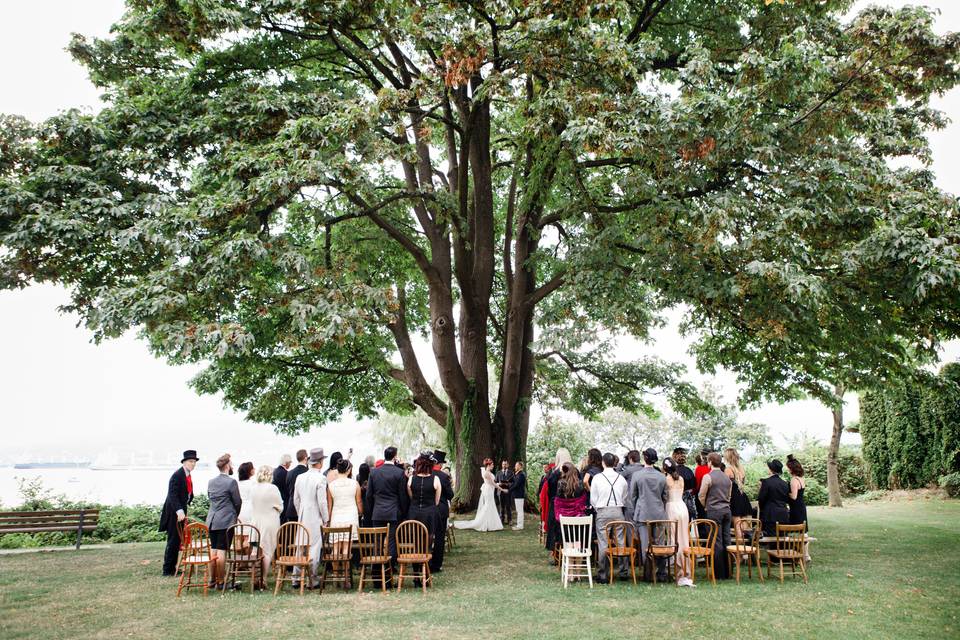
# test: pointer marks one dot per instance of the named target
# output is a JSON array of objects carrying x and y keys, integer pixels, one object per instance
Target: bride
[{"x": 487, "y": 518}]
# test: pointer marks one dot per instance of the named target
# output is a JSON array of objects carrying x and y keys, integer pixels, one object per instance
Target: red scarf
[{"x": 189, "y": 485}]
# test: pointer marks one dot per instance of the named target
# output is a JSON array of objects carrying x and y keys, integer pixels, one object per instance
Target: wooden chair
[
  {"x": 195, "y": 555},
  {"x": 337, "y": 567},
  {"x": 662, "y": 542},
  {"x": 616, "y": 531},
  {"x": 181, "y": 532},
  {"x": 451, "y": 534},
  {"x": 293, "y": 551},
  {"x": 374, "y": 552},
  {"x": 413, "y": 553},
  {"x": 789, "y": 548},
  {"x": 575, "y": 533},
  {"x": 746, "y": 542},
  {"x": 244, "y": 556},
  {"x": 702, "y": 547}
]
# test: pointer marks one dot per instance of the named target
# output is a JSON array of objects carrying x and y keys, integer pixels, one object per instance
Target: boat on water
[{"x": 52, "y": 465}]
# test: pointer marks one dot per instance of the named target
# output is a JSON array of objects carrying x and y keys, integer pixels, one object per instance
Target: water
[{"x": 105, "y": 487}]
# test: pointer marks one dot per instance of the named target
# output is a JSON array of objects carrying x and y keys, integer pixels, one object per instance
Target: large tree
[{"x": 293, "y": 190}]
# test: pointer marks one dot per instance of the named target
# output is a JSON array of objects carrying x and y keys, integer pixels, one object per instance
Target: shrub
[
  {"x": 951, "y": 484},
  {"x": 815, "y": 495}
]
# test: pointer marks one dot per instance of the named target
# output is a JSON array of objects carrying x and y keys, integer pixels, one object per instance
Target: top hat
[
  {"x": 440, "y": 456},
  {"x": 189, "y": 454},
  {"x": 316, "y": 455}
]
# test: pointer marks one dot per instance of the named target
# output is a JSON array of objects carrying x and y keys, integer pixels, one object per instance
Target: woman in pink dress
[{"x": 677, "y": 510}]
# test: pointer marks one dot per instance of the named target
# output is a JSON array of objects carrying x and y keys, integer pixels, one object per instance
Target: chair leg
[
  {"x": 304, "y": 576},
  {"x": 590, "y": 572},
  {"x": 400, "y": 579},
  {"x": 383, "y": 578},
  {"x": 633, "y": 569},
  {"x": 803, "y": 570},
  {"x": 759, "y": 572},
  {"x": 360, "y": 585},
  {"x": 278, "y": 572},
  {"x": 424, "y": 572}
]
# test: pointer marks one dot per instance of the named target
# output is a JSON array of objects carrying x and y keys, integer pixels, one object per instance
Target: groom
[{"x": 504, "y": 481}]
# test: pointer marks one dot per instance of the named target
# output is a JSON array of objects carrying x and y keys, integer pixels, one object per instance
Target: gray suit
[
  {"x": 629, "y": 469},
  {"x": 224, "y": 494},
  {"x": 645, "y": 501}
]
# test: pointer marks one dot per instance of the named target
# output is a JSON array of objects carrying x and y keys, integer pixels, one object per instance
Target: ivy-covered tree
[{"x": 291, "y": 190}]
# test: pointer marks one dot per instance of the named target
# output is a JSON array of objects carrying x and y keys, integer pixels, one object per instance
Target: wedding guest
[
  {"x": 631, "y": 466},
  {"x": 594, "y": 466},
  {"x": 607, "y": 492},
  {"x": 225, "y": 504},
  {"x": 772, "y": 499},
  {"x": 676, "y": 509},
  {"x": 245, "y": 482},
  {"x": 424, "y": 491},
  {"x": 543, "y": 498},
  {"x": 689, "y": 481},
  {"x": 443, "y": 511},
  {"x": 280, "y": 481},
  {"x": 266, "y": 507},
  {"x": 290, "y": 509},
  {"x": 335, "y": 459},
  {"x": 571, "y": 500},
  {"x": 550, "y": 487},
  {"x": 702, "y": 469},
  {"x": 715, "y": 490},
  {"x": 798, "y": 506},
  {"x": 363, "y": 475},
  {"x": 387, "y": 496},
  {"x": 345, "y": 505},
  {"x": 310, "y": 501},
  {"x": 179, "y": 497},
  {"x": 518, "y": 493},
  {"x": 645, "y": 500},
  {"x": 739, "y": 502}
]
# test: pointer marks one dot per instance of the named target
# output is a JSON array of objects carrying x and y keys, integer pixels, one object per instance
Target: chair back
[
  {"x": 791, "y": 537},
  {"x": 703, "y": 542},
  {"x": 576, "y": 532},
  {"x": 663, "y": 536},
  {"x": 373, "y": 542},
  {"x": 333, "y": 535},
  {"x": 181, "y": 531},
  {"x": 197, "y": 540},
  {"x": 245, "y": 543},
  {"x": 620, "y": 530},
  {"x": 293, "y": 540},
  {"x": 748, "y": 532},
  {"x": 413, "y": 538}
]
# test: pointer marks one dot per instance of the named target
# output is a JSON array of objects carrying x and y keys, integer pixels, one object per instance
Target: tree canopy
[{"x": 291, "y": 190}]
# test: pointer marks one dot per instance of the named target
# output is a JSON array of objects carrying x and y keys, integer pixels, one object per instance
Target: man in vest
[
  {"x": 715, "y": 497},
  {"x": 607, "y": 493}
]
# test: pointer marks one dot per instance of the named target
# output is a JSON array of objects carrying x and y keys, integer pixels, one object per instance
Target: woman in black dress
[
  {"x": 798, "y": 506},
  {"x": 773, "y": 497},
  {"x": 594, "y": 467},
  {"x": 424, "y": 490},
  {"x": 739, "y": 502}
]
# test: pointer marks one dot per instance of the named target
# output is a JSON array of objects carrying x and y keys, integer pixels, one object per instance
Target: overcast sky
[{"x": 62, "y": 395}]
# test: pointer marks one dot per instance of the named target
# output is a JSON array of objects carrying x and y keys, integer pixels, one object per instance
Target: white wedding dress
[{"x": 487, "y": 518}]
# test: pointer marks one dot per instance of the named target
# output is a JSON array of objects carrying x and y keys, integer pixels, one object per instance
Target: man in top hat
[
  {"x": 179, "y": 496},
  {"x": 310, "y": 500},
  {"x": 443, "y": 511}
]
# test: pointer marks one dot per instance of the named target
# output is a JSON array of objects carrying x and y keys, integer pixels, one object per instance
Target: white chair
[{"x": 576, "y": 533}]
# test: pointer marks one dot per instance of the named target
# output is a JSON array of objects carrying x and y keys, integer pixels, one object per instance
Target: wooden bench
[{"x": 65, "y": 521}]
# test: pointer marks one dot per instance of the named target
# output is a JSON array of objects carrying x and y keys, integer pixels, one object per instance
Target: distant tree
[
  {"x": 717, "y": 427},
  {"x": 619, "y": 431},
  {"x": 410, "y": 433},
  {"x": 552, "y": 433}
]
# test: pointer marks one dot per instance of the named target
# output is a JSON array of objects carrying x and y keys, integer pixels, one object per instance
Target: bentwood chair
[
  {"x": 374, "y": 552},
  {"x": 621, "y": 543},
  {"x": 293, "y": 552},
  {"x": 703, "y": 537},
  {"x": 576, "y": 533},
  {"x": 413, "y": 553},
  {"x": 184, "y": 541},
  {"x": 451, "y": 534},
  {"x": 196, "y": 555},
  {"x": 789, "y": 548},
  {"x": 746, "y": 542},
  {"x": 662, "y": 544},
  {"x": 244, "y": 555},
  {"x": 336, "y": 556}
]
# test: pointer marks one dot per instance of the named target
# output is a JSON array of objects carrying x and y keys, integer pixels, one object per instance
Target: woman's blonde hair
[
  {"x": 265, "y": 474},
  {"x": 732, "y": 458},
  {"x": 562, "y": 456}
]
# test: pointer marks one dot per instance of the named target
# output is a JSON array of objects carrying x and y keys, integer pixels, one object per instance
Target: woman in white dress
[
  {"x": 245, "y": 484},
  {"x": 265, "y": 507},
  {"x": 344, "y": 504},
  {"x": 487, "y": 518}
]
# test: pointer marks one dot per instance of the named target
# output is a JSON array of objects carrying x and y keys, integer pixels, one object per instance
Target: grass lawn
[{"x": 881, "y": 570}]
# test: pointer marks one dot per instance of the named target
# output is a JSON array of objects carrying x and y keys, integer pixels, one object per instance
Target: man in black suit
[
  {"x": 280, "y": 482},
  {"x": 387, "y": 496},
  {"x": 443, "y": 511},
  {"x": 518, "y": 493},
  {"x": 289, "y": 508},
  {"x": 179, "y": 496},
  {"x": 504, "y": 479}
]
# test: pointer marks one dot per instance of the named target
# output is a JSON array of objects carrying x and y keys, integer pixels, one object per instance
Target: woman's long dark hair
[
  {"x": 335, "y": 458},
  {"x": 569, "y": 484},
  {"x": 363, "y": 473},
  {"x": 594, "y": 458},
  {"x": 794, "y": 465},
  {"x": 670, "y": 468},
  {"x": 245, "y": 472}
]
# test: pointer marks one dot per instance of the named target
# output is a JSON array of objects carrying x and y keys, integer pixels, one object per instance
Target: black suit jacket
[
  {"x": 446, "y": 495},
  {"x": 387, "y": 499},
  {"x": 280, "y": 482},
  {"x": 292, "y": 475},
  {"x": 518, "y": 488},
  {"x": 178, "y": 498}
]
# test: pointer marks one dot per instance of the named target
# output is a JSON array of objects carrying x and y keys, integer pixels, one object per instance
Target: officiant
[{"x": 504, "y": 481}]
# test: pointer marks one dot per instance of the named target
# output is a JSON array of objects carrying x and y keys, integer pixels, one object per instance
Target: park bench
[{"x": 67, "y": 520}]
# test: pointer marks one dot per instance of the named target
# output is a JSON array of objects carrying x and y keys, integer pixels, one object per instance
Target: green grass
[{"x": 881, "y": 570}]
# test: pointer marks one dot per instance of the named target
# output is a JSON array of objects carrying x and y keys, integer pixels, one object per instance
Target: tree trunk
[{"x": 833, "y": 453}]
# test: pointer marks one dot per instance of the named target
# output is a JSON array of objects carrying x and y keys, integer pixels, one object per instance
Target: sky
[{"x": 63, "y": 397}]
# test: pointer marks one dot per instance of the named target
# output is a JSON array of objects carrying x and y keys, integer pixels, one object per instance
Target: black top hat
[
  {"x": 776, "y": 466},
  {"x": 189, "y": 454},
  {"x": 440, "y": 456}
]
